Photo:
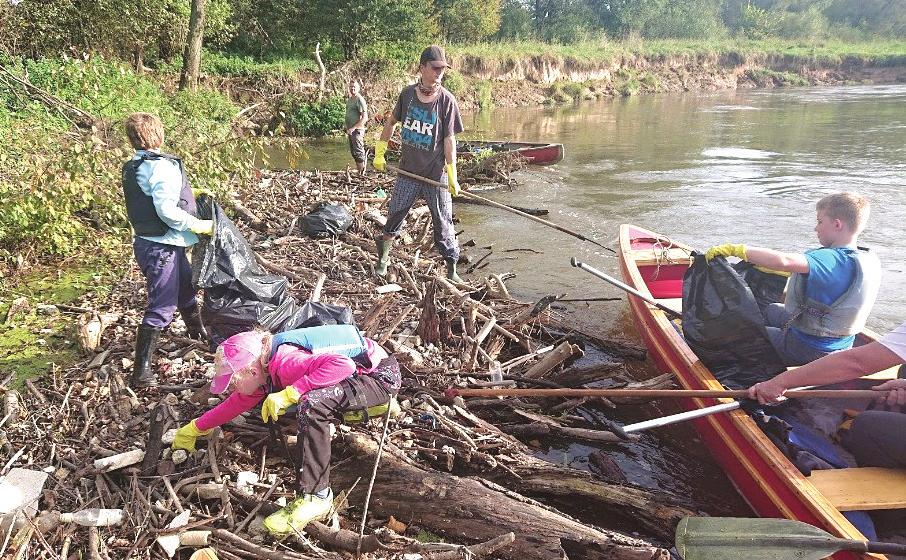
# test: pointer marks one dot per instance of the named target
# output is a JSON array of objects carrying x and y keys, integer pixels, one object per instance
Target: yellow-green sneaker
[{"x": 295, "y": 516}]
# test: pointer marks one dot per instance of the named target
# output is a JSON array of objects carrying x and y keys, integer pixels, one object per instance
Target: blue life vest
[
  {"x": 345, "y": 340},
  {"x": 847, "y": 315}
]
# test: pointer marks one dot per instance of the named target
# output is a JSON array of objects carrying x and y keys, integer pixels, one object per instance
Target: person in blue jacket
[{"x": 161, "y": 210}]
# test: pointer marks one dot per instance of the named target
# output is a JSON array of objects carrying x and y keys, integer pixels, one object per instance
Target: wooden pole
[
  {"x": 490, "y": 202},
  {"x": 662, "y": 393}
]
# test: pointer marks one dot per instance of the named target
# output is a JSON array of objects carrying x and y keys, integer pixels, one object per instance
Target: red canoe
[
  {"x": 536, "y": 153},
  {"x": 654, "y": 265}
]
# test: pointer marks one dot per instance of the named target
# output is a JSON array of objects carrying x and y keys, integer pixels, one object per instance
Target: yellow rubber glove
[
  {"x": 186, "y": 436},
  {"x": 772, "y": 271},
  {"x": 276, "y": 403},
  {"x": 452, "y": 183},
  {"x": 198, "y": 191},
  {"x": 380, "y": 148},
  {"x": 202, "y": 227},
  {"x": 727, "y": 250}
]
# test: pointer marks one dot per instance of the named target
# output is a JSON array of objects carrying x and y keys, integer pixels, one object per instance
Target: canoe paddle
[
  {"x": 489, "y": 202},
  {"x": 719, "y": 538},
  {"x": 625, "y": 287}
]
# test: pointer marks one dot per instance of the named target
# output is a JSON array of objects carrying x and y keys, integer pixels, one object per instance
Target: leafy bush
[
  {"x": 758, "y": 23},
  {"x": 650, "y": 82},
  {"x": 629, "y": 88},
  {"x": 484, "y": 93},
  {"x": 557, "y": 94},
  {"x": 807, "y": 24},
  {"x": 318, "y": 118},
  {"x": 574, "y": 90},
  {"x": 225, "y": 64},
  {"x": 454, "y": 82},
  {"x": 60, "y": 187}
]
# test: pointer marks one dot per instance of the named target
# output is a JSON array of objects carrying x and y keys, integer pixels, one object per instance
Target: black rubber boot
[
  {"x": 194, "y": 327},
  {"x": 145, "y": 347}
]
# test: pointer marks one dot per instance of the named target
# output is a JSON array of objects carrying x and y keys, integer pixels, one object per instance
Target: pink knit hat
[{"x": 235, "y": 354}]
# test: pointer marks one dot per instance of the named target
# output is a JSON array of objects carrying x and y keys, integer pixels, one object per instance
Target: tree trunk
[
  {"x": 138, "y": 59},
  {"x": 322, "y": 70},
  {"x": 473, "y": 509},
  {"x": 191, "y": 59}
]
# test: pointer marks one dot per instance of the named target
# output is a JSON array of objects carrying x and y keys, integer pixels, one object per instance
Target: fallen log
[
  {"x": 472, "y": 509},
  {"x": 656, "y": 511}
]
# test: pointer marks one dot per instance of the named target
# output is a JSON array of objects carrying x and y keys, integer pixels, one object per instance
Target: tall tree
[
  {"x": 468, "y": 20},
  {"x": 191, "y": 59},
  {"x": 354, "y": 24}
]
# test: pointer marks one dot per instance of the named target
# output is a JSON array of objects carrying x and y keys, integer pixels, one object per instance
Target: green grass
[
  {"x": 236, "y": 65},
  {"x": 880, "y": 51}
]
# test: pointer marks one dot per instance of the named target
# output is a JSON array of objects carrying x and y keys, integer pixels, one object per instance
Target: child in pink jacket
[{"x": 327, "y": 370}]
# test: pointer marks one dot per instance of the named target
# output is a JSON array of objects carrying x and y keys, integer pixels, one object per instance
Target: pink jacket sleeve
[{"x": 233, "y": 406}]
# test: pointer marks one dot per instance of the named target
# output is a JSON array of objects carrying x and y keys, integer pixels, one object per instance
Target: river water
[{"x": 702, "y": 168}]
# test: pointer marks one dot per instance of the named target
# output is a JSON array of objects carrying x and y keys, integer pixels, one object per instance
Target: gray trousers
[
  {"x": 792, "y": 350},
  {"x": 405, "y": 192},
  {"x": 876, "y": 439}
]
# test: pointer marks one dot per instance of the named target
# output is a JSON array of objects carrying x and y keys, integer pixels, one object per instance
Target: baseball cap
[
  {"x": 434, "y": 53},
  {"x": 235, "y": 354}
]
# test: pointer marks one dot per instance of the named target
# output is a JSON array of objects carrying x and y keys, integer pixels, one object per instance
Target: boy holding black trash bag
[{"x": 831, "y": 289}]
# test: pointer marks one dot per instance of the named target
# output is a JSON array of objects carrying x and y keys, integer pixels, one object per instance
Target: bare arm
[
  {"x": 833, "y": 368},
  {"x": 775, "y": 260},
  {"x": 450, "y": 150},
  {"x": 363, "y": 118},
  {"x": 388, "y": 128}
]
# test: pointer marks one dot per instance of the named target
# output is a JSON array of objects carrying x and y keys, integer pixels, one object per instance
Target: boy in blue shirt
[
  {"x": 161, "y": 210},
  {"x": 831, "y": 289}
]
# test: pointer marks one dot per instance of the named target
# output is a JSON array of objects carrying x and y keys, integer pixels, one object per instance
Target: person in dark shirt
[
  {"x": 430, "y": 122},
  {"x": 356, "y": 117},
  {"x": 161, "y": 210}
]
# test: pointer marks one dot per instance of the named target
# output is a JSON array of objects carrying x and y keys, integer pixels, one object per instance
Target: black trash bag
[
  {"x": 723, "y": 325},
  {"x": 766, "y": 287},
  {"x": 226, "y": 260},
  {"x": 326, "y": 220},
  {"x": 290, "y": 315},
  {"x": 226, "y": 312}
]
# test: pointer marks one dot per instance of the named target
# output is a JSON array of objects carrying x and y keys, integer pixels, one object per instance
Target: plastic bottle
[
  {"x": 94, "y": 517},
  {"x": 496, "y": 372}
]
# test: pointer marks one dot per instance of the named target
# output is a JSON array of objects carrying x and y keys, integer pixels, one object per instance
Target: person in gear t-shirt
[
  {"x": 424, "y": 128},
  {"x": 430, "y": 122},
  {"x": 831, "y": 271}
]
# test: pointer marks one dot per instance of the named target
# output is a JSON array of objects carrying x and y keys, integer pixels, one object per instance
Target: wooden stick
[
  {"x": 377, "y": 462},
  {"x": 316, "y": 291},
  {"x": 490, "y": 202},
  {"x": 553, "y": 359},
  {"x": 662, "y": 393}
]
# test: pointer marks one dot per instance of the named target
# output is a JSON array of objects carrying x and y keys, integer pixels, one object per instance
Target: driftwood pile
[{"x": 450, "y": 467}]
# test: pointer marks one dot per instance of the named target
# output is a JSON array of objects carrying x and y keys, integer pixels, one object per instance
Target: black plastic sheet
[
  {"x": 326, "y": 220},
  {"x": 723, "y": 325}
]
